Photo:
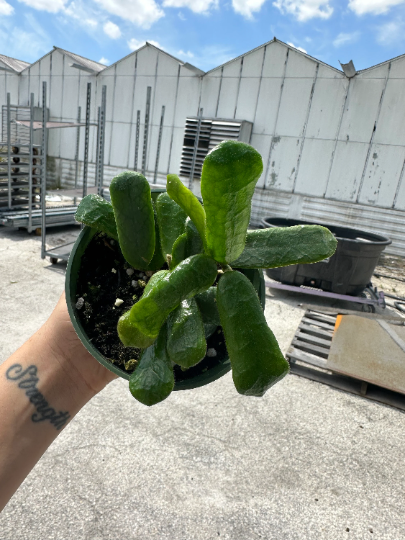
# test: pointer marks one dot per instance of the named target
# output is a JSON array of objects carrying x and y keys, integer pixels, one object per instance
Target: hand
[{"x": 59, "y": 378}]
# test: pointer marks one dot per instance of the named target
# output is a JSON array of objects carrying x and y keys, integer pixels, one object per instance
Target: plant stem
[{"x": 226, "y": 268}]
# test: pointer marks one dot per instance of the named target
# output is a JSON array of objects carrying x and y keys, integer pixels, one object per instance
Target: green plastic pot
[{"x": 208, "y": 370}]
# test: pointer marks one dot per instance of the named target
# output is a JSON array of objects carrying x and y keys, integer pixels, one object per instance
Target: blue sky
[{"x": 205, "y": 33}]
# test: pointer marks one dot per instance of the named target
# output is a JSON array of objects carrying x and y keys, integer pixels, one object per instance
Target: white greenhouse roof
[
  {"x": 84, "y": 62},
  {"x": 13, "y": 63},
  {"x": 95, "y": 68}
]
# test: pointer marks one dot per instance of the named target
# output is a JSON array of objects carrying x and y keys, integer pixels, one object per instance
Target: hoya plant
[{"x": 196, "y": 254}]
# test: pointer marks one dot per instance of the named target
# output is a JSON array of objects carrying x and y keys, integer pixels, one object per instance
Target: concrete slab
[{"x": 304, "y": 462}]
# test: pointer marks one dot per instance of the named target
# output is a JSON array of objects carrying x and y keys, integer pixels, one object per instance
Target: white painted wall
[{"x": 337, "y": 142}]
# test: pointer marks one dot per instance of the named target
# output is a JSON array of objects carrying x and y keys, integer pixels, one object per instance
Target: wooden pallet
[{"x": 308, "y": 357}]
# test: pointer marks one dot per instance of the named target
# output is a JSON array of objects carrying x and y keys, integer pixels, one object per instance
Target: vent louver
[{"x": 212, "y": 132}]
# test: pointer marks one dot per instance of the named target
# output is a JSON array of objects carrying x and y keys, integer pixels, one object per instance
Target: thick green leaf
[
  {"x": 256, "y": 360},
  {"x": 140, "y": 326},
  {"x": 154, "y": 280},
  {"x": 256, "y": 278},
  {"x": 187, "y": 244},
  {"x": 229, "y": 175},
  {"x": 157, "y": 260},
  {"x": 207, "y": 304},
  {"x": 282, "y": 246},
  {"x": 171, "y": 219},
  {"x": 194, "y": 243},
  {"x": 188, "y": 201},
  {"x": 97, "y": 213},
  {"x": 179, "y": 251},
  {"x": 131, "y": 200},
  {"x": 153, "y": 379},
  {"x": 186, "y": 344},
  {"x": 209, "y": 329}
]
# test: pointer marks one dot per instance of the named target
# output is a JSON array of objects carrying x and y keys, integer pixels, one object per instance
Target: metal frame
[
  {"x": 98, "y": 148},
  {"x": 44, "y": 216},
  {"x": 159, "y": 143},
  {"x": 55, "y": 253},
  {"x": 79, "y": 114},
  {"x": 138, "y": 127},
  {"x": 28, "y": 206},
  {"x": 146, "y": 129},
  {"x": 195, "y": 149},
  {"x": 86, "y": 140},
  {"x": 9, "y": 149},
  {"x": 30, "y": 162},
  {"x": 101, "y": 141},
  {"x": 43, "y": 176}
]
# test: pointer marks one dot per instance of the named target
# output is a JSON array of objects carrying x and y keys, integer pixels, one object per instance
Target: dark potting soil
[{"x": 104, "y": 277}]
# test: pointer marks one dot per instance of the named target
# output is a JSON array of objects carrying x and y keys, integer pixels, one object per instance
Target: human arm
[{"x": 43, "y": 385}]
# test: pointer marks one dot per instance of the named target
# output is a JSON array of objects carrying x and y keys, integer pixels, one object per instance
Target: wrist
[
  {"x": 61, "y": 378},
  {"x": 38, "y": 397}
]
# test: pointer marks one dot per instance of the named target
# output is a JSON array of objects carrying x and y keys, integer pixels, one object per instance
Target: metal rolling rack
[
  {"x": 34, "y": 212},
  {"x": 62, "y": 251},
  {"x": 21, "y": 172}
]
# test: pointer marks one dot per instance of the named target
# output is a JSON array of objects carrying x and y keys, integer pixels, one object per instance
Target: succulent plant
[{"x": 202, "y": 248}]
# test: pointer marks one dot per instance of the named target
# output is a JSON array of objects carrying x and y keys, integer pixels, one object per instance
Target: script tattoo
[{"x": 28, "y": 380}]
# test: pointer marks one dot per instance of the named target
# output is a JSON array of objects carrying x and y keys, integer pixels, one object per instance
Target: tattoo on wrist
[{"x": 28, "y": 380}]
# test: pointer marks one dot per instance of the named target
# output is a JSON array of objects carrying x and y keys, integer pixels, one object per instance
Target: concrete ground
[{"x": 304, "y": 462}]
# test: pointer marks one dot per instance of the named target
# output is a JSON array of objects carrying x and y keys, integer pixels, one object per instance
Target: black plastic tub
[{"x": 348, "y": 271}]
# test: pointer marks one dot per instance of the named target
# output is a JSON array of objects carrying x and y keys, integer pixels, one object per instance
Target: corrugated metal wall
[{"x": 333, "y": 148}]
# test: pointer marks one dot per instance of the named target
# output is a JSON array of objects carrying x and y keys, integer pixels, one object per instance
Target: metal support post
[
  {"x": 86, "y": 140},
  {"x": 97, "y": 176},
  {"x": 43, "y": 176},
  {"x": 138, "y": 127},
  {"x": 79, "y": 114},
  {"x": 9, "y": 148},
  {"x": 30, "y": 163},
  {"x": 195, "y": 149},
  {"x": 159, "y": 143},
  {"x": 102, "y": 138},
  {"x": 146, "y": 129}
]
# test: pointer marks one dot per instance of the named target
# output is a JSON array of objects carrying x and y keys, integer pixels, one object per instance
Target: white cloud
[
  {"x": 52, "y": 6},
  {"x": 345, "y": 39},
  {"x": 295, "y": 47},
  {"x": 198, "y": 6},
  {"x": 391, "y": 33},
  {"x": 135, "y": 44},
  {"x": 303, "y": 10},
  {"x": 247, "y": 7},
  {"x": 188, "y": 54},
  {"x": 86, "y": 16},
  {"x": 5, "y": 9},
  {"x": 181, "y": 16},
  {"x": 140, "y": 12},
  {"x": 375, "y": 7},
  {"x": 104, "y": 61},
  {"x": 112, "y": 30}
]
